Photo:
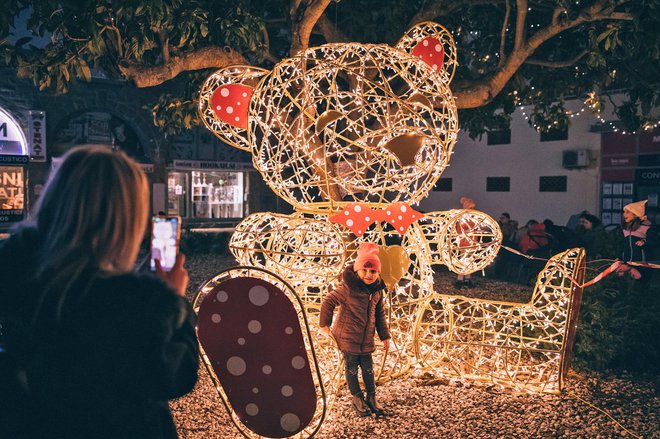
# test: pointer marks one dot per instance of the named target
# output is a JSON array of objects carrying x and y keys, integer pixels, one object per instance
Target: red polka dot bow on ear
[
  {"x": 230, "y": 103},
  {"x": 358, "y": 217},
  {"x": 431, "y": 51}
]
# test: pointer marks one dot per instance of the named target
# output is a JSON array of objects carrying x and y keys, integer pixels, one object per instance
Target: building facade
[
  {"x": 209, "y": 184},
  {"x": 193, "y": 175},
  {"x": 553, "y": 176}
]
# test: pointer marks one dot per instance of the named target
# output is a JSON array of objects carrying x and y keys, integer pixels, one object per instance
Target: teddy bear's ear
[
  {"x": 224, "y": 101},
  {"x": 432, "y": 43}
]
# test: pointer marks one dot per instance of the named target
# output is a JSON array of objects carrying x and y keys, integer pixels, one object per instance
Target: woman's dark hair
[{"x": 591, "y": 218}]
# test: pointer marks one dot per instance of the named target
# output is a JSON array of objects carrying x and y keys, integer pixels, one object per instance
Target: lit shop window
[
  {"x": 12, "y": 193},
  {"x": 177, "y": 193},
  {"x": 217, "y": 194}
]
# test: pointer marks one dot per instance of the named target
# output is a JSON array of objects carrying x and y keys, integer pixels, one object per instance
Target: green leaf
[
  {"x": 22, "y": 41},
  {"x": 85, "y": 71}
]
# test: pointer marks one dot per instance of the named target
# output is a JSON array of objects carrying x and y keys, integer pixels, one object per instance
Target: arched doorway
[{"x": 99, "y": 127}]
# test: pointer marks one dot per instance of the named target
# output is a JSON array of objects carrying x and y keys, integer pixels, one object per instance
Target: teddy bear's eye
[
  {"x": 331, "y": 115},
  {"x": 421, "y": 99}
]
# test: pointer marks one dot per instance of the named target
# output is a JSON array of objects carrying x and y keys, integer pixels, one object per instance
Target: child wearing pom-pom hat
[
  {"x": 636, "y": 244},
  {"x": 361, "y": 314}
]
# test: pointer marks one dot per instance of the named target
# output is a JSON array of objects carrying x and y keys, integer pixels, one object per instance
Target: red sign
[
  {"x": 618, "y": 175},
  {"x": 617, "y": 143},
  {"x": 649, "y": 141},
  {"x": 620, "y": 161}
]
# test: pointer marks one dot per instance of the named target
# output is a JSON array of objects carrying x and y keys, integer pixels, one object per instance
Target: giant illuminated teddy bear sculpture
[{"x": 352, "y": 135}]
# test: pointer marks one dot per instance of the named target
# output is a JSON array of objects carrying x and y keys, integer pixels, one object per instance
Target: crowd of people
[{"x": 636, "y": 240}]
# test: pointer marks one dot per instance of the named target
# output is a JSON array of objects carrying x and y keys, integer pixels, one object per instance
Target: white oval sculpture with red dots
[{"x": 249, "y": 330}]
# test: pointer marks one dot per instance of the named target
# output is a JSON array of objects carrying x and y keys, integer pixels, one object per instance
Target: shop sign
[
  {"x": 12, "y": 139},
  {"x": 148, "y": 168},
  {"x": 197, "y": 164},
  {"x": 620, "y": 161},
  {"x": 12, "y": 194},
  {"x": 649, "y": 141},
  {"x": 649, "y": 160},
  {"x": 37, "y": 125},
  {"x": 648, "y": 177},
  {"x": 13, "y": 160}
]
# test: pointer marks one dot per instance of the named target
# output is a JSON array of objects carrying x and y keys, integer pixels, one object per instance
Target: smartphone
[{"x": 165, "y": 232}]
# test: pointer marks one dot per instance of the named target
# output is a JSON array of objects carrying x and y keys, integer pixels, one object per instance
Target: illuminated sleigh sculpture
[
  {"x": 524, "y": 346},
  {"x": 356, "y": 130}
]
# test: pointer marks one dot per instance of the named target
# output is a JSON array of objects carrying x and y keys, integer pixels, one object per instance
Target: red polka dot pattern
[
  {"x": 358, "y": 217},
  {"x": 230, "y": 103},
  {"x": 400, "y": 215},
  {"x": 431, "y": 51}
]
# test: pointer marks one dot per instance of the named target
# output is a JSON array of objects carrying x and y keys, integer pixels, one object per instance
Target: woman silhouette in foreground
[{"x": 91, "y": 349}]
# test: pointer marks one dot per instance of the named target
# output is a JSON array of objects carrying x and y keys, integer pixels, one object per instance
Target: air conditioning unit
[{"x": 578, "y": 158}]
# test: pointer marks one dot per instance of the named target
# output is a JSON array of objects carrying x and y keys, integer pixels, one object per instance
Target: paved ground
[{"x": 453, "y": 410}]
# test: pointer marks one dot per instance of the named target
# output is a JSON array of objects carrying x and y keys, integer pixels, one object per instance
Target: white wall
[{"x": 524, "y": 161}]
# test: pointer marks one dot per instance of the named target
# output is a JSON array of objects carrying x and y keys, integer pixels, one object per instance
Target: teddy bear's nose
[{"x": 405, "y": 147}]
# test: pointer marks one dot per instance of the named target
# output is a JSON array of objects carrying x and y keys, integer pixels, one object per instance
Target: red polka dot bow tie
[{"x": 358, "y": 217}]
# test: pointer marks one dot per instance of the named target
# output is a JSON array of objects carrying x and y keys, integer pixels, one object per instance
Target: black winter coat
[
  {"x": 361, "y": 313},
  {"x": 124, "y": 345}
]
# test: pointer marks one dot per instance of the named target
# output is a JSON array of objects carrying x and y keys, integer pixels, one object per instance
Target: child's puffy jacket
[{"x": 361, "y": 314}]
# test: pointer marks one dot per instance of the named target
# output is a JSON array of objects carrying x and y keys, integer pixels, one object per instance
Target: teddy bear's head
[{"x": 343, "y": 122}]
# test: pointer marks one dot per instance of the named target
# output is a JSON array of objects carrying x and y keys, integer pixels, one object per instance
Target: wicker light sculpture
[
  {"x": 283, "y": 318},
  {"x": 352, "y": 120},
  {"x": 240, "y": 80},
  {"x": 309, "y": 253},
  {"x": 346, "y": 125},
  {"x": 525, "y": 346}
]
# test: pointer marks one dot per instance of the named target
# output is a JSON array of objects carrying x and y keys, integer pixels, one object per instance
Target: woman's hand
[
  {"x": 386, "y": 344},
  {"x": 325, "y": 330},
  {"x": 177, "y": 277}
]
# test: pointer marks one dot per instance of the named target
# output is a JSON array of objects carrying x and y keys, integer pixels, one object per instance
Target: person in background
[
  {"x": 465, "y": 280},
  {"x": 574, "y": 220},
  {"x": 508, "y": 227},
  {"x": 560, "y": 238},
  {"x": 361, "y": 314},
  {"x": 637, "y": 241},
  {"x": 92, "y": 349},
  {"x": 535, "y": 239},
  {"x": 505, "y": 259},
  {"x": 592, "y": 235}
]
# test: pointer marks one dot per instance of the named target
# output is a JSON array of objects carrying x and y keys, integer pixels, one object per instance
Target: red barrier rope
[{"x": 617, "y": 266}]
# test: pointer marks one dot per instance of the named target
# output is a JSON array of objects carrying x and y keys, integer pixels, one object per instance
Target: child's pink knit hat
[{"x": 367, "y": 257}]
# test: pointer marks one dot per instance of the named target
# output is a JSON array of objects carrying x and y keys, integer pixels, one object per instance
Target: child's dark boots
[
  {"x": 373, "y": 405},
  {"x": 359, "y": 404}
]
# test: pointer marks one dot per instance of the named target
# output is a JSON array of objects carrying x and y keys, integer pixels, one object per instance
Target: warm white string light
[
  {"x": 373, "y": 124},
  {"x": 590, "y": 103}
]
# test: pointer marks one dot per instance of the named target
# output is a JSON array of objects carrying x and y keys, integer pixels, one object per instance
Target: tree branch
[
  {"x": 473, "y": 94},
  {"x": 556, "y": 13},
  {"x": 505, "y": 24},
  {"x": 330, "y": 31},
  {"x": 164, "y": 45},
  {"x": 204, "y": 58},
  {"x": 442, "y": 8},
  {"x": 269, "y": 56},
  {"x": 557, "y": 64},
  {"x": 521, "y": 20},
  {"x": 303, "y": 19}
]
